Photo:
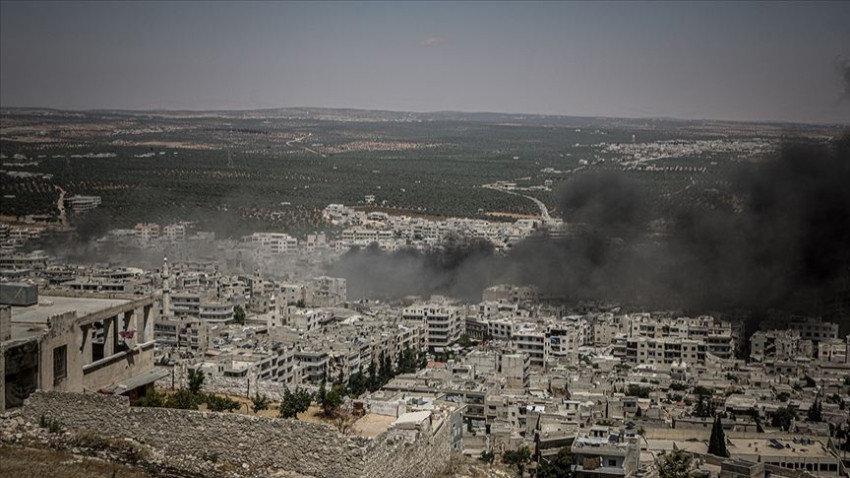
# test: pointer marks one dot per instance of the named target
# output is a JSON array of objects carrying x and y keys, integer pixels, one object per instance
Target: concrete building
[
  {"x": 532, "y": 342},
  {"x": 779, "y": 345},
  {"x": 797, "y": 454},
  {"x": 174, "y": 232},
  {"x": 325, "y": 292},
  {"x": 80, "y": 204},
  {"x": 604, "y": 452},
  {"x": 192, "y": 304},
  {"x": 78, "y": 344},
  {"x": 272, "y": 243},
  {"x": 814, "y": 329},
  {"x": 189, "y": 333},
  {"x": 146, "y": 232},
  {"x": 443, "y": 323},
  {"x": 515, "y": 368}
]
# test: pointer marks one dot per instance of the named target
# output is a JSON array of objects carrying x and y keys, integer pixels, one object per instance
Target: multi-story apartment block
[
  {"x": 779, "y": 345},
  {"x": 174, "y": 232},
  {"x": 443, "y": 323},
  {"x": 271, "y": 243},
  {"x": 603, "y": 452},
  {"x": 314, "y": 365},
  {"x": 532, "y": 341},
  {"x": 325, "y": 292},
  {"x": 643, "y": 350},
  {"x": 814, "y": 329},
  {"x": 182, "y": 332},
  {"x": 80, "y": 204},
  {"x": 192, "y": 304}
]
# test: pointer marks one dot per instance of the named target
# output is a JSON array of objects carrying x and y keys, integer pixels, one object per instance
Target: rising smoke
[
  {"x": 842, "y": 67},
  {"x": 783, "y": 235}
]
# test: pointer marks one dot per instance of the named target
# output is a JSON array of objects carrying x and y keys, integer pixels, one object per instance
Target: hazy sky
[{"x": 775, "y": 61}]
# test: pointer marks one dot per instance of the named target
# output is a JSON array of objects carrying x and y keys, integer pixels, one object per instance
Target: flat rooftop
[
  {"x": 31, "y": 321},
  {"x": 762, "y": 447},
  {"x": 371, "y": 425}
]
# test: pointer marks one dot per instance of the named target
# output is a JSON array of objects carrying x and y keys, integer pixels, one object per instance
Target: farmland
[{"x": 277, "y": 169}]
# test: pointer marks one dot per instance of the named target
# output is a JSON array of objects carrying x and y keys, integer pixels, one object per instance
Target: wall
[
  {"x": 391, "y": 455},
  {"x": 306, "y": 448},
  {"x": 63, "y": 331}
]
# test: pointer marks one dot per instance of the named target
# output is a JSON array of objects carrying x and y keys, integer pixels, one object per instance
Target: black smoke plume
[
  {"x": 842, "y": 66},
  {"x": 781, "y": 240}
]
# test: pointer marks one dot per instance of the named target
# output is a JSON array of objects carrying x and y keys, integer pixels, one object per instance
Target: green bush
[{"x": 221, "y": 404}]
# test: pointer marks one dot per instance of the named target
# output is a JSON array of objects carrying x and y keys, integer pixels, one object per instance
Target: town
[
  {"x": 418, "y": 239},
  {"x": 526, "y": 381}
]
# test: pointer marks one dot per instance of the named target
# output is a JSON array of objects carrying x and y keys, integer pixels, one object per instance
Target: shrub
[
  {"x": 222, "y": 404},
  {"x": 182, "y": 399}
]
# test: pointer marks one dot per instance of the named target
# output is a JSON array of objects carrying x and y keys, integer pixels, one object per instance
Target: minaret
[{"x": 166, "y": 289}]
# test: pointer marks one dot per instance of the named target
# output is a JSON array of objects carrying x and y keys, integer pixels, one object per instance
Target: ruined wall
[
  {"x": 64, "y": 330},
  {"x": 263, "y": 443},
  {"x": 391, "y": 455},
  {"x": 307, "y": 448},
  {"x": 117, "y": 368},
  {"x": 236, "y": 386}
]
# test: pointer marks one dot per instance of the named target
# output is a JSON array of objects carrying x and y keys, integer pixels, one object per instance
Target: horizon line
[{"x": 430, "y": 112}]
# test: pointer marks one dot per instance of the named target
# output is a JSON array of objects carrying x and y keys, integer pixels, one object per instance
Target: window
[
  {"x": 612, "y": 462},
  {"x": 60, "y": 363}
]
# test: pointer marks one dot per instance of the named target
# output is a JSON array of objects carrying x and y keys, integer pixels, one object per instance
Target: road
[
  {"x": 63, "y": 216},
  {"x": 544, "y": 211},
  {"x": 301, "y": 139}
]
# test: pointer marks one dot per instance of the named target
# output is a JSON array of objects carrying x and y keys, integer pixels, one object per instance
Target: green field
[{"x": 234, "y": 172}]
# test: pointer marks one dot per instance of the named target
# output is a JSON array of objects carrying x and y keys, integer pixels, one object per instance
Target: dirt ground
[
  {"x": 372, "y": 425},
  {"x": 24, "y": 462},
  {"x": 312, "y": 415}
]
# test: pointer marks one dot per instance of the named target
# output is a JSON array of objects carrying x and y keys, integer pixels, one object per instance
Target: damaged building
[{"x": 76, "y": 344}]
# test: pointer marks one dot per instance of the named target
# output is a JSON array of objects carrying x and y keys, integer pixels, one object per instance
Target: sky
[{"x": 780, "y": 61}]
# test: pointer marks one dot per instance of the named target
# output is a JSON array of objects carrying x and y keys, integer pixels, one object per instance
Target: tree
[
  {"x": 385, "y": 372},
  {"x": 196, "y": 381},
  {"x": 373, "y": 383},
  {"x": 559, "y": 467},
  {"x": 218, "y": 403},
  {"x": 151, "y": 399},
  {"x": 294, "y": 403},
  {"x": 783, "y": 417},
  {"x": 518, "y": 458},
  {"x": 754, "y": 413},
  {"x": 487, "y": 456},
  {"x": 239, "y": 315},
  {"x": 638, "y": 391},
  {"x": 702, "y": 391},
  {"x": 259, "y": 402},
  {"x": 717, "y": 441},
  {"x": 815, "y": 412},
  {"x": 356, "y": 384},
  {"x": 464, "y": 340},
  {"x": 677, "y": 464},
  {"x": 703, "y": 409},
  {"x": 183, "y": 399},
  {"x": 332, "y": 400},
  {"x": 321, "y": 394},
  {"x": 406, "y": 361}
]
